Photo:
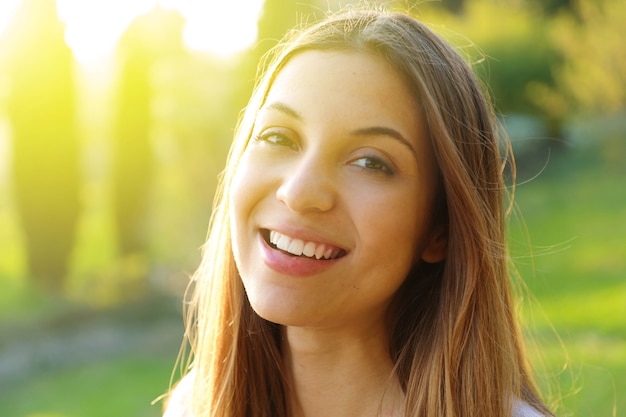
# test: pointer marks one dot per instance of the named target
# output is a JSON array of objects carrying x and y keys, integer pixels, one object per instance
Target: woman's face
[{"x": 330, "y": 206}]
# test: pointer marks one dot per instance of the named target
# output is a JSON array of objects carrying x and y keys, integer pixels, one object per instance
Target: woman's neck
[{"x": 334, "y": 372}]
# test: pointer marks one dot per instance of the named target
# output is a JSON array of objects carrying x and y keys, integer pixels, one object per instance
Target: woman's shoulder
[
  {"x": 522, "y": 409},
  {"x": 179, "y": 401}
]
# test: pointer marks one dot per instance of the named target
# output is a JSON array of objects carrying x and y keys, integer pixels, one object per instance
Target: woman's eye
[
  {"x": 374, "y": 164},
  {"x": 276, "y": 139}
]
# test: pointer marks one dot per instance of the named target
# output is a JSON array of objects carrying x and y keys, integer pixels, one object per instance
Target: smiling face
[{"x": 331, "y": 202}]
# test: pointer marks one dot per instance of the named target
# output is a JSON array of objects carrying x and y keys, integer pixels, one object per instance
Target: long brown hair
[{"x": 452, "y": 329}]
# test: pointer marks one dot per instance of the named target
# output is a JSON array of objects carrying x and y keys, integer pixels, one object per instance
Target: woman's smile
[
  {"x": 297, "y": 257},
  {"x": 302, "y": 248}
]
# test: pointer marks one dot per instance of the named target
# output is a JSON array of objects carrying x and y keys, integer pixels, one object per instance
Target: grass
[
  {"x": 573, "y": 224},
  {"x": 123, "y": 387}
]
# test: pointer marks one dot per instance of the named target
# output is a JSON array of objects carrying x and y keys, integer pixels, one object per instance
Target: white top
[
  {"x": 180, "y": 398},
  {"x": 521, "y": 409}
]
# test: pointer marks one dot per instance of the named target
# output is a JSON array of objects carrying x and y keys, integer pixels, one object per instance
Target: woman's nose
[{"x": 309, "y": 187}]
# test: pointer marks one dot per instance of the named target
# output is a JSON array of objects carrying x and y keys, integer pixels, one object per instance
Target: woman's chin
[{"x": 281, "y": 315}]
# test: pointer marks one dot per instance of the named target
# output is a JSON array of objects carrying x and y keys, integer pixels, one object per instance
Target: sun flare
[
  {"x": 93, "y": 27},
  {"x": 219, "y": 27},
  {"x": 7, "y": 8}
]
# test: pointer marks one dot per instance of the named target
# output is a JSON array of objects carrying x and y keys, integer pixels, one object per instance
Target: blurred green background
[{"x": 115, "y": 119}]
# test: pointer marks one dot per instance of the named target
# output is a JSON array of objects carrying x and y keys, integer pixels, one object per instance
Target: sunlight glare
[
  {"x": 94, "y": 27},
  {"x": 217, "y": 26},
  {"x": 7, "y": 9}
]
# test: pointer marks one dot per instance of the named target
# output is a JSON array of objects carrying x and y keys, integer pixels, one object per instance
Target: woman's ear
[{"x": 437, "y": 245}]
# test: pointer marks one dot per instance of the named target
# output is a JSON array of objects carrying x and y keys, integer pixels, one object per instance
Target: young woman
[{"x": 356, "y": 263}]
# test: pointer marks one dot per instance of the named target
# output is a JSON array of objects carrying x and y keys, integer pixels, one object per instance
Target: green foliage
[
  {"x": 506, "y": 44},
  {"x": 554, "y": 62},
  {"x": 591, "y": 76}
]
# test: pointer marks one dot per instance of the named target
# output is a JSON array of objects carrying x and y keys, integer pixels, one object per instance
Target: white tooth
[
  {"x": 328, "y": 253},
  {"x": 283, "y": 242},
  {"x": 295, "y": 247},
  {"x": 319, "y": 251},
  {"x": 272, "y": 237},
  {"x": 309, "y": 249}
]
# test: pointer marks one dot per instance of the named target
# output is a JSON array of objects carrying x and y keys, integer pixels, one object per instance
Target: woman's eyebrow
[
  {"x": 385, "y": 131},
  {"x": 366, "y": 131},
  {"x": 283, "y": 108}
]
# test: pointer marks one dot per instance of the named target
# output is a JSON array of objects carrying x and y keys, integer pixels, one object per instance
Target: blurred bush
[
  {"x": 590, "y": 77},
  {"x": 150, "y": 40},
  {"x": 41, "y": 105}
]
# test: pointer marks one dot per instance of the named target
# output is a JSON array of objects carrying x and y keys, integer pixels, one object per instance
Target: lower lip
[{"x": 283, "y": 263}]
